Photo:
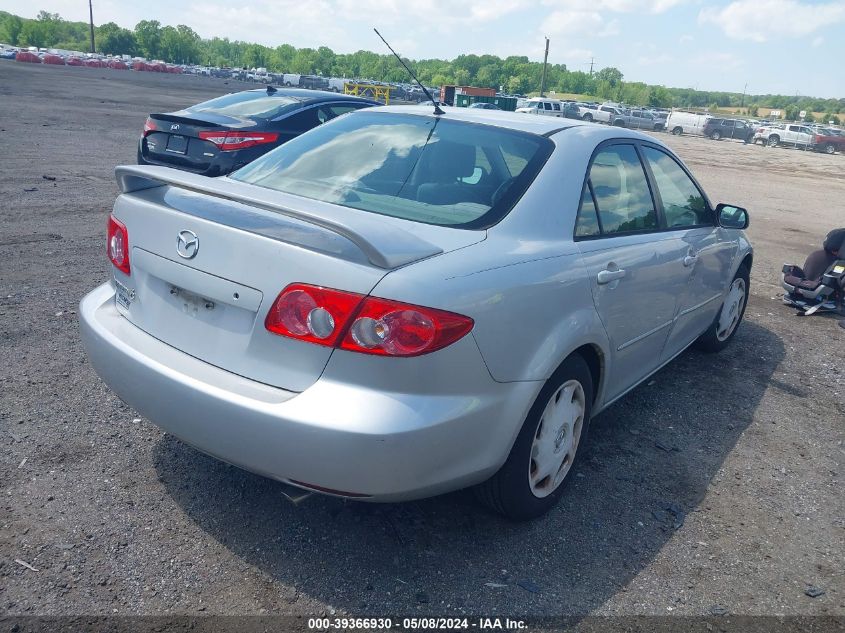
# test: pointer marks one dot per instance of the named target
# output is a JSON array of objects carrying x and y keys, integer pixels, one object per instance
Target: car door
[
  {"x": 635, "y": 268},
  {"x": 709, "y": 251}
]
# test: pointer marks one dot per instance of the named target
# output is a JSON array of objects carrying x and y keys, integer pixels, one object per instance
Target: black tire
[
  {"x": 716, "y": 135},
  {"x": 588, "y": 117},
  {"x": 829, "y": 148},
  {"x": 677, "y": 131},
  {"x": 773, "y": 140},
  {"x": 711, "y": 341},
  {"x": 508, "y": 491}
]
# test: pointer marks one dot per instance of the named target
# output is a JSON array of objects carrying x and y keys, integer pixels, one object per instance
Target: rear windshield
[
  {"x": 247, "y": 104},
  {"x": 430, "y": 170}
]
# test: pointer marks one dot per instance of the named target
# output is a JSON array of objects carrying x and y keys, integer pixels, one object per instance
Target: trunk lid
[
  {"x": 175, "y": 139},
  {"x": 210, "y": 300}
]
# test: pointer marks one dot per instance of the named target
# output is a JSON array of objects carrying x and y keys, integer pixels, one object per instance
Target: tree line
[{"x": 514, "y": 74}]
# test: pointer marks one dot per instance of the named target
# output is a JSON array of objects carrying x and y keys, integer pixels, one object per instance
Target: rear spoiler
[{"x": 383, "y": 243}]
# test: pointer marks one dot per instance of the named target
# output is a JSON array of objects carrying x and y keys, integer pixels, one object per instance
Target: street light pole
[
  {"x": 545, "y": 63},
  {"x": 91, "y": 23}
]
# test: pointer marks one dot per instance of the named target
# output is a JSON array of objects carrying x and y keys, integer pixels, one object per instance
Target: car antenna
[
  {"x": 270, "y": 89},
  {"x": 437, "y": 110}
]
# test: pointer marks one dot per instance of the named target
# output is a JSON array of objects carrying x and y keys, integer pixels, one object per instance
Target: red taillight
[
  {"x": 390, "y": 328},
  {"x": 368, "y": 325},
  {"x": 149, "y": 126},
  {"x": 230, "y": 141},
  {"x": 117, "y": 245}
]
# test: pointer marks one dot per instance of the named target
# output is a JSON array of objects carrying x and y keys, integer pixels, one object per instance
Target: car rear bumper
[{"x": 335, "y": 436}]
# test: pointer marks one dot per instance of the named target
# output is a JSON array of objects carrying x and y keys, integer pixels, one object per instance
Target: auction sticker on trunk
[{"x": 123, "y": 295}]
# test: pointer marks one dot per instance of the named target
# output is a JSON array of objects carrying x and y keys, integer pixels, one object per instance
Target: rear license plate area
[
  {"x": 177, "y": 144},
  {"x": 191, "y": 303}
]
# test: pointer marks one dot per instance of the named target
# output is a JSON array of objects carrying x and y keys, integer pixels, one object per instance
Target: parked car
[
  {"x": 484, "y": 106},
  {"x": 8, "y": 53},
  {"x": 679, "y": 122},
  {"x": 829, "y": 141},
  {"x": 604, "y": 113},
  {"x": 50, "y": 58},
  {"x": 218, "y": 136},
  {"x": 291, "y": 80},
  {"x": 541, "y": 106},
  {"x": 356, "y": 314},
  {"x": 27, "y": 56},
  {"x": 313, "y": 82},
  {"x": 570, "y": 110},
  {"x": 719, "y": 128},
  {"x": 636, "y": 119},
  {"x": 793, "y": 135}
]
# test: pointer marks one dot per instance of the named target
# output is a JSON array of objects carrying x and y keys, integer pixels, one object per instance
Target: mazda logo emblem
[
  {"x": 187, "y": 244},
  {"x": 174, "y": 127}
]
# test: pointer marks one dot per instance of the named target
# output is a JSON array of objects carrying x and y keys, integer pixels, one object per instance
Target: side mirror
[{"x": 731, "y": 217}]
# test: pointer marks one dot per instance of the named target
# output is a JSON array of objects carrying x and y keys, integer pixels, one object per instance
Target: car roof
[{"x": 540, "y": 125}]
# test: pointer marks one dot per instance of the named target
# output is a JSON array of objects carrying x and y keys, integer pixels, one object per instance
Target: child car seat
[{"x": 820, "y": 285}]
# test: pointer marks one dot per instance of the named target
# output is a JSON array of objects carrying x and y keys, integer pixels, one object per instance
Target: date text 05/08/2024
[{"x": 416, "y": 623}]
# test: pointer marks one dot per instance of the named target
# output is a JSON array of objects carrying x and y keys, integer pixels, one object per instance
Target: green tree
[
  {"x": 10, "y": 29},
  {"x": 114, "y": 40},
  {"x": 148, "y": 37}
]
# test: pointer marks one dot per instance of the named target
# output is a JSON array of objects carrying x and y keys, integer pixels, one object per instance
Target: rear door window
[{"x": 620, "y": 191}]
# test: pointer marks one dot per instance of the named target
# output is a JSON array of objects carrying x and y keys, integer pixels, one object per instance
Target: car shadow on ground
[{"x": 649, "y": 462}]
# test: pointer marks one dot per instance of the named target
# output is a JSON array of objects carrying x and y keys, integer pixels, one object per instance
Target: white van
[
  {"x": 679, "y": 122},
  {"x": 337, "y": 84},
  {"x": 540, "y": 105},
  {"x": 290, "y": 79}
]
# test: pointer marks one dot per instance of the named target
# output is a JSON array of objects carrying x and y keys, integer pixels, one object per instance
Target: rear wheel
[
  {"x": 773, "y": 140},
  {"x": 533, "y": 478},
  {"x": 677, "y": 131},
  {"x": 716, "y": 135},
  {"x": 723, "y": 328},
  {"x": 588, "y": 117},
  {"x": 830, "y": 148}
]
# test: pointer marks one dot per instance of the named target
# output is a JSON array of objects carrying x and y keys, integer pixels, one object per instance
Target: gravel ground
[{"x": 714, "y": 487}]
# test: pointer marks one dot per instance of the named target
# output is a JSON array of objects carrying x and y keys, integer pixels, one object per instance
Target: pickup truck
[
  {"x": 829, "y": 141},
  {"x": 790, "y": 134},
  {"x": 602, "y": 114},
  {"x": 638, "y": 120}
]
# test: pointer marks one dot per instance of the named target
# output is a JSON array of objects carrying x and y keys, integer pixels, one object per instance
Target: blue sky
[{"x": 775, "y": 46}]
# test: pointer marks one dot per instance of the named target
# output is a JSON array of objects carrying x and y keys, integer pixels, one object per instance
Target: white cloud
[
  {"x": 686, "y": 38},
  {"x": 578, "y": 24},
  {"x": 817, "y": 41},
  {"x": 761, "y": 20},
  {"x": 618, "y": 6}
]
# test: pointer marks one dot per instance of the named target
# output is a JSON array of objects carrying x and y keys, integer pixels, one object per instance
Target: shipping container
[
  {"x": 448, "y": 93},
  {"x": 504, "y": 103}
]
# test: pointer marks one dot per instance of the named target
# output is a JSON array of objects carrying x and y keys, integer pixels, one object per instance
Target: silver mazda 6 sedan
[{"x": 397, "y": 304}]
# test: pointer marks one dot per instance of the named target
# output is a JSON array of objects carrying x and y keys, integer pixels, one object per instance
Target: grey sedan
[{"x": 396, "y": 304}]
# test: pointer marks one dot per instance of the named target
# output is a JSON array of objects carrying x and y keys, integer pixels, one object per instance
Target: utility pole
[
  {"x": 545, "y": 63},
  {"x": 742, "y": 103},
  {"x": 91, "y": 23},
  {"x": 592, "y": 60}
]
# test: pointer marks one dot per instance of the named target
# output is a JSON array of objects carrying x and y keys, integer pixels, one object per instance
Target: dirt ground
[{"x": 118, "y": 518}]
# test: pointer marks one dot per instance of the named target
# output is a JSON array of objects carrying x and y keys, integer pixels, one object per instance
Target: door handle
[
  {"x": 689, "y": 260},
  {"x": 606, "y": 276}
]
